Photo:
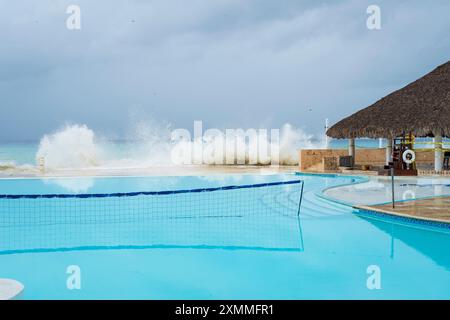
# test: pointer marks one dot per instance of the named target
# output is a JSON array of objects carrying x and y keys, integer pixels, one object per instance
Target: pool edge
[
  {"x": 381, "y": 213},
  {"x": 403, "y": 217}
]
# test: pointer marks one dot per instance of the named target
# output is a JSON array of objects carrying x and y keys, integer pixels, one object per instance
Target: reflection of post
[
  {"x": 302, "y": 245},
  {"x": 392, "y": 241}
]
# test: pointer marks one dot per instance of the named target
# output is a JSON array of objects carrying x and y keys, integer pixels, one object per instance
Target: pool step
[
  {"x": 312, "y": 206},
  {"x": 326, "y": 208}
]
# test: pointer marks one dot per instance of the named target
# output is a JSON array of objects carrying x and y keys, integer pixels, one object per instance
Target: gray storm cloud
[{"x": 229, "y": 63}]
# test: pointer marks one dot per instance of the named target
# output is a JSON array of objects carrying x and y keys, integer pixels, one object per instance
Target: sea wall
[{"x": 313, "y": 159}]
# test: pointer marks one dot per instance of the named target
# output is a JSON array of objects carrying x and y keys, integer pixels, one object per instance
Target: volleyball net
[{"x": 259, "y": 216}]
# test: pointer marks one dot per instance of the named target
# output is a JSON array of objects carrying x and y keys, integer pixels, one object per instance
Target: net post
[{"x": 301, "y": 197}]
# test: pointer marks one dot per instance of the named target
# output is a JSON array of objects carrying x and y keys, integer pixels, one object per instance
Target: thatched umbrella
[{"x": 421, "y": 108}]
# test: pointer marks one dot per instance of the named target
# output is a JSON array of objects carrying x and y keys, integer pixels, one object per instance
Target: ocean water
[
  {"x": 77, "y": 151},
  {"x": 20, "y": 153}
]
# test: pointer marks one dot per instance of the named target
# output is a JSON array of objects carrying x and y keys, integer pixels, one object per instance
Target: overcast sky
[{"x": 230, "y": 63}]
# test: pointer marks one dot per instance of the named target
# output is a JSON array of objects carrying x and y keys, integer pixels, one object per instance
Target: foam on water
[{"x": 77, "y": 146}]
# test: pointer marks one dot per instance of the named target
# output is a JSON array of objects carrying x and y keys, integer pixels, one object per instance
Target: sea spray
[
  {"x": 73, "y": 147},
  {"x": 239, "y": 147},
  {"x": 149, "y": 144},
  {"x": 292, "y": 139}
]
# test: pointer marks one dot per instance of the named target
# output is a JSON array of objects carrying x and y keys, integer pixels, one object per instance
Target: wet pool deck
[{"x": 434, "y": 209}]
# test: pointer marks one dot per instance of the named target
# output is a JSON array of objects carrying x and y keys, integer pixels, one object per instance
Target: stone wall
[
  {"x": 330, "y": 163},
  {"x": 313, "y": 159}
]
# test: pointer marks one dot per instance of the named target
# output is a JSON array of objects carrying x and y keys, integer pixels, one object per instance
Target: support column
[
  {"x": 351, "y": 150},
  {"x": 327, "y": 139},
  {"x": 438, "y": 153},
  {"x": 388, "y": 151}
]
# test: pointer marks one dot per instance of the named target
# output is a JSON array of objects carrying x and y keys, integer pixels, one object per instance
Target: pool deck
[{"x": 432, "y": 209}]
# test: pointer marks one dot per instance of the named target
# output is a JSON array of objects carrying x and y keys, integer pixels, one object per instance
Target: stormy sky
[{"x": 230, "y": 63}]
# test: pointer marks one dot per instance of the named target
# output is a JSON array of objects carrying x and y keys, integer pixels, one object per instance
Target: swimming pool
[
  {"x": 377, "y": 190},
  {"x": 250, "y": 243}
]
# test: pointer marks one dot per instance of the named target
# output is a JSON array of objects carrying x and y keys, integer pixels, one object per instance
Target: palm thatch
[{"x": 422, "y": 108}]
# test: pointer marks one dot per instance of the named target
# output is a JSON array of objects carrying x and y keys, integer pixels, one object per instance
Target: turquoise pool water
[{"x": 247, "y": 244}]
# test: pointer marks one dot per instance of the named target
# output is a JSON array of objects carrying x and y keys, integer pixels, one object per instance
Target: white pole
[
  {"x": 438, "y": 153},
  {"x": 351, "y": 150},
  {"x": 327, "y": 139},
  {"x": 42, "y": 164},
  {"x": 380, "y": 143},
  {"x": 388, "y": 151}
]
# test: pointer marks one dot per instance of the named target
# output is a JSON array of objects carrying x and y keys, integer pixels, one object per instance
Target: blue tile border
[
  {"x": 403, "y": 219},
  {"x": 357, "y": 179}
]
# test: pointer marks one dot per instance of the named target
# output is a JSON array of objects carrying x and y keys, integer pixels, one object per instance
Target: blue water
[
  {"x": 249, "y": 245},
  {"x": 19, "y": 153}
]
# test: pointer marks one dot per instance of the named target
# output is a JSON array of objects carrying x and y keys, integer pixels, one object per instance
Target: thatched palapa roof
[{"x": 422, "y": 107}]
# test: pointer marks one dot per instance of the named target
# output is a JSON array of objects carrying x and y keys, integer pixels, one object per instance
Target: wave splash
[
  {"x": 77, "y": 146},
  {"x": 72, "y": 147}
]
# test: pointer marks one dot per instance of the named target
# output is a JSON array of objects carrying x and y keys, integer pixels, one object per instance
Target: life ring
[
  {"x": 409, "y": 156},
  {"x": 408, "y": 195}
]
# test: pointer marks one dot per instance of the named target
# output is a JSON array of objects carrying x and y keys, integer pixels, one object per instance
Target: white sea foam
[
  {"x": 292, "y": 139},
  {"x": 256, "y": 148},
  {"x": 149, "y": 144},
  {"x": 72, "y": 147}
]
